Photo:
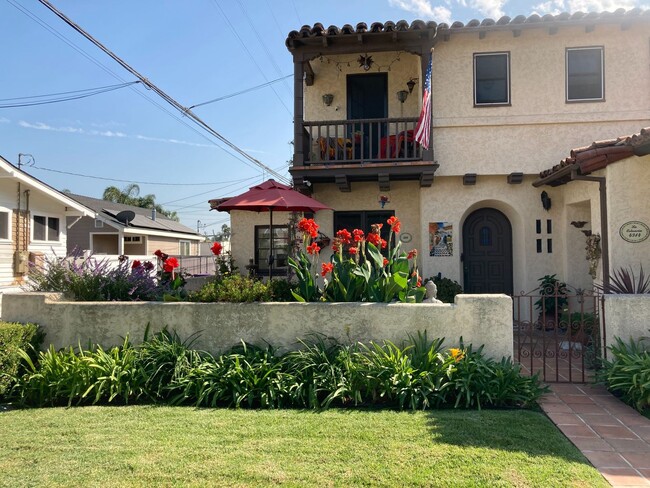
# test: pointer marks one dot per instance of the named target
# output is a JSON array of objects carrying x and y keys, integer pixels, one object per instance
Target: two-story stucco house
[{"x": 510, "y": 99}]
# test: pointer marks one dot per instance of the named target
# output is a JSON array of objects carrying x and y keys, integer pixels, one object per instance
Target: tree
[
  {"x": 224, "y": 235},
  {"x": 130, "y": 195}
]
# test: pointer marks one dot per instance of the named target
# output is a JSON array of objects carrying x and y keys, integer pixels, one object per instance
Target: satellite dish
[{"x": 125, "y": 216}]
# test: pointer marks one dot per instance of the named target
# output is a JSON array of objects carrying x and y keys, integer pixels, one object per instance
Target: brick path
[{"x": 612, "y": 436}]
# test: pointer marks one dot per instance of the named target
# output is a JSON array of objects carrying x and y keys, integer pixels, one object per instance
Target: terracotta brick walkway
[{"x": 613, "y": 437}]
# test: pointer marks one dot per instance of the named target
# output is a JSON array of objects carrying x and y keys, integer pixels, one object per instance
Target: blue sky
[{"x": 196, "y": 50}]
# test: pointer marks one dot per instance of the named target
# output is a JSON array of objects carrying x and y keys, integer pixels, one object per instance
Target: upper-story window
[
  {"x": 584, "y": 74},
  {"x": 491, "y": 79},
  {"x": 46, "y": 228}
]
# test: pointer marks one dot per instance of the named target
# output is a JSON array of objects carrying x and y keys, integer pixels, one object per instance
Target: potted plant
[{"x": 552, "y": 300}]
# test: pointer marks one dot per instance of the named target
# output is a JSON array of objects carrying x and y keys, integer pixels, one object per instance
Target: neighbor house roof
[
  {"x": 37, "y": 184},
  {"x": 596, "y": 156},
  {"x": 442, "y": 30},
  {"x": 143, "y": 217}
]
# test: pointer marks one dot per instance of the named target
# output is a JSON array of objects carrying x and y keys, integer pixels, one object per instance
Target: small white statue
[{"x": 432, "y": 293}]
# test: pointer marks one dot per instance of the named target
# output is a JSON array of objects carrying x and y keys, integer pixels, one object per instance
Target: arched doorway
[{"x": 487, "y": 252}]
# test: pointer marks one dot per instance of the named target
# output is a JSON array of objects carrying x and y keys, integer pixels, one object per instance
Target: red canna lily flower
[
  {"x": 216, "y": 248},
  {"x": 344, "y": 235},
  {"x": 395, "y": 224},
  {"x": 170, "y": 264},
  {"x": 374, "y": 238},
  {"x": 412, "y": 253},
  {"x": 384, "y": 244},
  {"x": 136, "y": 264},
  {"x": 353, "y": 250},
  {"x": 313, "y": 248},
  {"x": 308, "y": 226},
  {"x": 385, "y": 261},
  {"x": 358, "y": 235},
  {"x": 326, "y": 268}
]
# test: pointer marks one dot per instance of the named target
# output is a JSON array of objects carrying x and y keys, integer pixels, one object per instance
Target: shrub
[
  {"x": 447, "y": 288},
  {"x": 89, "y": 279},
  {"x": 628, "y": 373},
  {"x": 13, "y": 338},
  {"x": 234, "y": 288},
  {"x": 416, "y": 375},
  {"x": 280, "y": 290},
  {"x": 624, "y": 281}
]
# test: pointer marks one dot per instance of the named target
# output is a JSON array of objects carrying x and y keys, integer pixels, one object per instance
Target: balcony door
[{"x": 367, "y": 99}]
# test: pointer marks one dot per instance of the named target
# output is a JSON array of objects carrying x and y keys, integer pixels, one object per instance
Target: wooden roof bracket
[
  {"x": 309, "y": 73},
  {"x": 384, "y": 181},
  {"x": 343, "y": 183}
]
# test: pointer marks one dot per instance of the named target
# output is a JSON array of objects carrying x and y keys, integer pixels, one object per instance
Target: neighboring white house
[{"x": 32, "y": 223}]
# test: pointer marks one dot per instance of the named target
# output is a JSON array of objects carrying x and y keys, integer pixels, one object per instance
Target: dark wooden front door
[{"x": 487, "y": 252}]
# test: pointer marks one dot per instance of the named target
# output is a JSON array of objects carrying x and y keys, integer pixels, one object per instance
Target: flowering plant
[
  {"x": 358, "y": 271},
  {"x": 169, "y": 278}
]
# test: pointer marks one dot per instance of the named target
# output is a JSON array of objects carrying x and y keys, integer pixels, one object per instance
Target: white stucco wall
[
  {"x": 479, "y": 319},
  {"x": 539, "y": 127},
  {"x": 627, "y": 317}
]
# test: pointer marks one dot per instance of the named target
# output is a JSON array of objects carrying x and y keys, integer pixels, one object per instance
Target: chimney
[{"x": 153, "y": 214}]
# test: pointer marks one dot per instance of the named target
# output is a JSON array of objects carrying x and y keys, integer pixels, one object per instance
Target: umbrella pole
[{"x": 271, "y": 245}]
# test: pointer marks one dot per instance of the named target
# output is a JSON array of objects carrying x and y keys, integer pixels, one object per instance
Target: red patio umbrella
[{"x": 270, "y": 196}]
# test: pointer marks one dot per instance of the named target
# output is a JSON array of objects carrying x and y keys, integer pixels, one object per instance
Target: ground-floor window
[
  {"x": 4, "y": 224},
  {"x": 363, "y": 219},
  {"x": 184, "y": 248},
  {"x": 46, "y": 228},
  {"x": 280, "y": 249}
]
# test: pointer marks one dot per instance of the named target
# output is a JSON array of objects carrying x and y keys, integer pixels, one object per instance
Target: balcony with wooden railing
[{"x": 342, "y": 151}]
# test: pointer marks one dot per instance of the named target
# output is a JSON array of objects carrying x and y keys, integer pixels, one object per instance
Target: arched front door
[{"x": 487, "y": 252}]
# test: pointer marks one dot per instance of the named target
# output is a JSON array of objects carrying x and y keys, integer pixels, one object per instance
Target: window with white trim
[
  {"x": 584, "y": 74},
  {"x": 491, "y": 79},
  {"x": 46, "y": 228},
  {"x": 184, "y": 248},
  {"x": 5, "y": 225}
]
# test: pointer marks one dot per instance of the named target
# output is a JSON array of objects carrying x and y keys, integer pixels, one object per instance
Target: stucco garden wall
[
  {"x": 627, "y": 316},
  {"x": 479, "y": 319}
]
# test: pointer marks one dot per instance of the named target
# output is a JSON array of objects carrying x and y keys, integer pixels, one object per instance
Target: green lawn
[{"x": 180, "y": 446}]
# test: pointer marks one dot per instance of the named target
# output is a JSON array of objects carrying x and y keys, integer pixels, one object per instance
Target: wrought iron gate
[{"x": 559, "y": 331}]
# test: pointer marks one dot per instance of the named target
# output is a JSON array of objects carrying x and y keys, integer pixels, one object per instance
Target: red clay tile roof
[
  {"x": 534, "y": 20},
  {"x": 599, "y": 154}
]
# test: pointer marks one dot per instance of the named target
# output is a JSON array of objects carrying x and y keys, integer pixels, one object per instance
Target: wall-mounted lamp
[
  {"x": 411, "y": 84},
  {"x": 402, "y": 95},
  {"x": 328, "y": 98},
  {"x": 546, "y": 201}
]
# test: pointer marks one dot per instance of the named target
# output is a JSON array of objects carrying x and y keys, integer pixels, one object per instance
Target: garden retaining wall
[
  {"x": 479, "y": 319},
  {"x": 627, "y": 316}
]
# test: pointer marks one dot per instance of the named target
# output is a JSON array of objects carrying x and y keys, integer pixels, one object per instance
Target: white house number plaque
[{"x": 634, "y": 231}]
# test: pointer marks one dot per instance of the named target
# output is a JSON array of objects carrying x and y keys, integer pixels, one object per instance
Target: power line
[
  {"x": 263, "y": 44},
  {"x": 90, "y": 58},
  {"x": 153, "y": 183},
  {"x": 160, "y": 92},
  {"x": 241, "y": 92},
  {"x": 250, "y": 55},
  {"x": 85, "y": 90}
]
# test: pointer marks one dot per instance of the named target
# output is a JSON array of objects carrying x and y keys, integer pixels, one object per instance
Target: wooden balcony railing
[{"x": 360, "y": 141}]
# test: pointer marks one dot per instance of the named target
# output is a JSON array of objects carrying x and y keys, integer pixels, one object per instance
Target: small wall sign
[{"x": 634, "y": 231}]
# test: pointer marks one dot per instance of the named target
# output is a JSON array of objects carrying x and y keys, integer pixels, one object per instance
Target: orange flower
[
  {"x": 336, "y": 245},
  {"x": 385, "y": 261},
  {"x": 457, "y": 354},
  {"x": 326, "y": 268},
  {"x": 313, "y": 248}
]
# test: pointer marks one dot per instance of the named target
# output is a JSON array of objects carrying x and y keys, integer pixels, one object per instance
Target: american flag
[{"x": 423, "y": 127}]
